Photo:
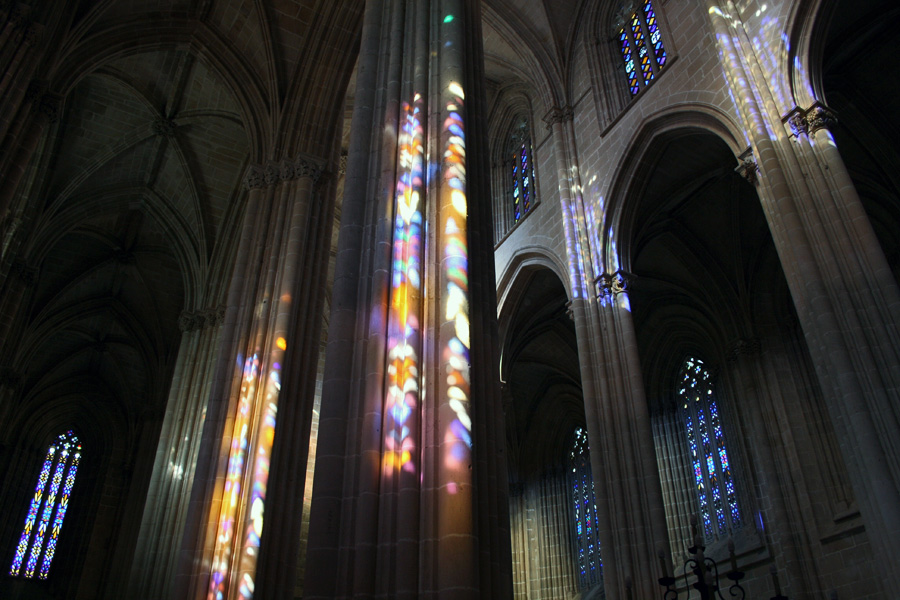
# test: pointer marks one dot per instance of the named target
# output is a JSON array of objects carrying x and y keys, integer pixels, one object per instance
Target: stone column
[
  {"x": 758, "y": 413},
  {"x": 279, "y": 250},
  {"x": 409, "y": 499},
  {"x": 162, "y": 523},
  {"x": 631, "y": 514},
  {"x": 640, "y": 530},
  {"x": 846, "y": 299}
]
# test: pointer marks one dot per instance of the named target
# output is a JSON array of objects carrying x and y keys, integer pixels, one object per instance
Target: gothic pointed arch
[{"x": 633, "y": 174}]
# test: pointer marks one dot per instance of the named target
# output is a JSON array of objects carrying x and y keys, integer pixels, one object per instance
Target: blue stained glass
[
  {"x": 655, "y": 37},
  {"x": 62, "y": 459},
  {"x": 716, "y": 496},
  {"x": 587, "y": 545},
  {"x": 625, "y": 47}
]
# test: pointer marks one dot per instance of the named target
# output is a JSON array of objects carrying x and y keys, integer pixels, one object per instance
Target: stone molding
[
  {"x": 559, "y": 115},
  {"x": 24, "y": 272},
  {"x": 200, "y": 319},
  {"x": 272, "y": 172},
  {"x": 613, "y": 284}
]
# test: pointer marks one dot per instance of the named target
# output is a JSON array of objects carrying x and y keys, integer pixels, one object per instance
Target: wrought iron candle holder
[{"x": 706, "y": 572}]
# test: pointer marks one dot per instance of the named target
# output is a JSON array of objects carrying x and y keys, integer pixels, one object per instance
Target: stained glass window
[
  {"x": 640, "y": 42},
  {"x": 521, "y": 171},
  {"x": 589, "y": 567},
  {"x": 713, "y": 477},
  {"x": 47, "y": 509}
]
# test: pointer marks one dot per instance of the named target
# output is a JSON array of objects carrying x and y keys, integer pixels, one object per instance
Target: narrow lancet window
[
  {"x": 521, "y": 171},
  {"x": 584, "y": 507},
  {"x": 713, "y": 477},
  {"x": 640, "y": 41},
  {"x": 47, "y": 510}
]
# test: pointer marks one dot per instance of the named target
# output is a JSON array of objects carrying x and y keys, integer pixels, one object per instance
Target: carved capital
[
  {"x": 743, "y": 347},
  {"x": 748, "y": 169},
  {"x": 271, "y": 173},
  {"x": 192, "y": 320},
  {"x": 306, "y": 167},
  {"x": 559, "y": 115},
  {"x": 254, "y": 178},
  {"x": 287, "y": 170},
  {"x": 613, "y": 284},
  {"x": 25, "y": 273},
  {"x": 188, "y": 321},
  {"x": 215, "y": 316},
  {"x": 570, "y": 312},
  {"x": 47, "y": 107},
  {"x": 36, "y": 89},
  {"x": 818, "y": 117},
  {"x": 342, "y": 165},
  {"x": 798, "y": 124}
]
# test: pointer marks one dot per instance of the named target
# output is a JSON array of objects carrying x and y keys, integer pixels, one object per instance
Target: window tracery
[
  {"x": 47, "y": 508},
  {"x": 712, "y": 473},
  {"x": 640, "y": 42},
  {"x": 588, "y": 563}
]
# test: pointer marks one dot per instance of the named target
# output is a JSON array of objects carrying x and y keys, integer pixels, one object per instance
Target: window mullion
[
  {"x": 635, "y": 56},
  {"x": 648, "y": 42}
]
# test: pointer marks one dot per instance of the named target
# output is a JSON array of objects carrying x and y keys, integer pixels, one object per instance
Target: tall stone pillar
[
  {"x": 846, "y": 300},
  {"x": 173, "y": 475},
  {"x": 275, "y": 276},
  {"x": 409, "y": 499},
  {"x": 638, "y": 523},
  {"x": 622, "y": 457}
]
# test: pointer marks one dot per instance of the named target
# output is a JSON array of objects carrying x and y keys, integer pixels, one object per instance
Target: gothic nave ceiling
[
  {"x": 138, "y": 189},
  {"x": 164, "y": 103},
  {"x": 135, "y": 195},
  {"x": 529, "y": 37}
]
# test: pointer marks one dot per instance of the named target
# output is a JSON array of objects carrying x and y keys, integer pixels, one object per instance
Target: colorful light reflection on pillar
[
  {"x": 231, "y": 498},
  {"x": 404, "y": 320},
  {"x": 259, "y": 414},
  {"x": 455, "y": 271}
]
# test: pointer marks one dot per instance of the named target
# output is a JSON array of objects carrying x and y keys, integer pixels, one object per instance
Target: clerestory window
[
  {"x": 47, "y": 509},
  {"x": 521, "y": 171},
  {"x": 640, "y": 43}
]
